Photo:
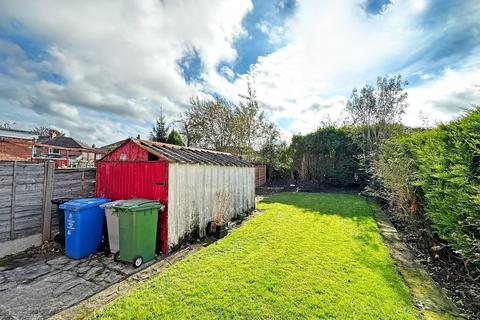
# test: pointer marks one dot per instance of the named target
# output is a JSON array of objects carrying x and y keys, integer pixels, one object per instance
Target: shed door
[
  {"x": 142, "y": 179},
  {"x": 126, "y": 180}
]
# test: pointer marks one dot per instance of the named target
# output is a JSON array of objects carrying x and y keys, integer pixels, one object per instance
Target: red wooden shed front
[{"x": 132, "y": 172}]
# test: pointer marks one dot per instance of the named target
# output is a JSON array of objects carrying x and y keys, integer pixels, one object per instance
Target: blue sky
[
  {"x": 100, "y": 70},
  {"x": 258, "y": 23}
]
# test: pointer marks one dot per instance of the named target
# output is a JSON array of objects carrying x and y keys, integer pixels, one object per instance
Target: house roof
[
  {"x": 174, "y": 153},
  {"x": 17, "y": 133},
  {"x": 64, "y": 142}
]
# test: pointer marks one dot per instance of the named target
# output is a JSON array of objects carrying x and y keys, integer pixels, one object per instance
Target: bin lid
[
  {"x": 138, "y": 204},
  {"x": 61, "y": 200},
  {"x": 82, "y": 204},
  {"x": 110, "y": 204}
]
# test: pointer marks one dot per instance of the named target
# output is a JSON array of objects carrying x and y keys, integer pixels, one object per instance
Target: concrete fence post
[{"x": 47, "y": 200}]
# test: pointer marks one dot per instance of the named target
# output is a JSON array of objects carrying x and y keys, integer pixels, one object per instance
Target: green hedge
[
  {"x": 326, "y": 156},
  {"x": 436, "y": 174}
]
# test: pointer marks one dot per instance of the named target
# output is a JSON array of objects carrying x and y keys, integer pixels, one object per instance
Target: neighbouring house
[
  {"x": 195, "y": 185},
  {"x": 16, "y": 145},
  {"x": 66, "y": 151}
]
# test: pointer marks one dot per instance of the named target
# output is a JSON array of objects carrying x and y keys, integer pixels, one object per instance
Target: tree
[
  {"x": 375, "y": 110},
  {"x": 6, "y": 124},
  {"x": 250, "y": 123},
  {"x": 209, "y": 123},
  {"x": 44, "y": 131},
  {"x": 160, "y": 130},
  {"x": 376, "y": 114},
  {"x": 185, "y": 125},
  {"x": 175, "y": 138},
  {"x": 269, "y": 148},
  {"x": 236, "y": 127},
  {"x": 226, "y": 126}
]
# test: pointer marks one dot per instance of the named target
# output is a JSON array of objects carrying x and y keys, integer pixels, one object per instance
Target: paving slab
[
  {"x": 117, "y": 290},
  {"x": 39, "y": 286}
]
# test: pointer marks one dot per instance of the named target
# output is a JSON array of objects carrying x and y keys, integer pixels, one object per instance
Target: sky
[{"x": 102, "y": 70}]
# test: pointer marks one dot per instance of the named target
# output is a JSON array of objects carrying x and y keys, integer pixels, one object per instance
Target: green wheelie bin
[{"x": 137, "y": 229}]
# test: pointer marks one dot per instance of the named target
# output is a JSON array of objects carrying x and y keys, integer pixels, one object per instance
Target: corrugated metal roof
[
  {"x": 174, "y": 153},
  {"x": 17, "y": 133}
]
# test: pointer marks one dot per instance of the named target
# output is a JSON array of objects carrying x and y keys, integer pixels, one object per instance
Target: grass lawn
[{"x": 307, "y": 256}]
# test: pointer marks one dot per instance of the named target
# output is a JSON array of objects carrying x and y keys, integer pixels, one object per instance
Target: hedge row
[
  {"x": 433, "y": 177},
  {"x": 326, "y": 156}
]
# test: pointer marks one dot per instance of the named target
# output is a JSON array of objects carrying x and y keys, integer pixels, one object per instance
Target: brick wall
[
  {"x": 43, "y": 151},
  {"x": 15, "y": 149}
]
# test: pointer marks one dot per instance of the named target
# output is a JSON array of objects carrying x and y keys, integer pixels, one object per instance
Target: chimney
[
  {"x": 138, "y": 136},
  {"x": 52, "y": 134}
]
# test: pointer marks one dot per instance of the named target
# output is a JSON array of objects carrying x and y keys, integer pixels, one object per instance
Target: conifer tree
[
  {"x": 160, "y": 130},
  {"x": 175, "y": 138}
]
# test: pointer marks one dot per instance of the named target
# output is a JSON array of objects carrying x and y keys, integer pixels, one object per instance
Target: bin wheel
[
  {"x": 137, "y": 261},
  {"x": 116, "y": 256}
]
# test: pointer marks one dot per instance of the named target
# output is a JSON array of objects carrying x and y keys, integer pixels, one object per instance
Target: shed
[{"x": 194, "y": 185}]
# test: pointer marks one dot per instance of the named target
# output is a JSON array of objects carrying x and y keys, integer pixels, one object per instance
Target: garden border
[{"x": 428, "y": 296}]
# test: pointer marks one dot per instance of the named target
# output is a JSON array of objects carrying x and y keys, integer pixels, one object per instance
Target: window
[{"x": 52, "y": 150}]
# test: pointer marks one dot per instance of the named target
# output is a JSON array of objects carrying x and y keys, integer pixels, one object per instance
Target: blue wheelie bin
[{"x": 83, "y": 226}]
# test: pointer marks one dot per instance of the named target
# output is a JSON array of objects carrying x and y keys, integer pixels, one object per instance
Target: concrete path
[
  {"x": 101, "y": 299},
  {"x": 40, "y": 286}
]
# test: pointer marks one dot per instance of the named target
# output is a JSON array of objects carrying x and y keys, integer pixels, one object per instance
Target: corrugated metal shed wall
[
  {"x": 128, "y": 151},
  {"x": 126, "y": 180},
  {"x": 197, "y": 191}
]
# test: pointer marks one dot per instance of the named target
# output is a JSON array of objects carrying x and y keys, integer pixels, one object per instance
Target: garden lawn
[{"x": 308, "y": 255}]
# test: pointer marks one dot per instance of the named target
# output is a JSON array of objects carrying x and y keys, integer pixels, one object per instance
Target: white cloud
[
  {"x": 335, "y": 46},
  {"x": 275, "y": 33},
  {"x": 419, "y": 5},
  {"x": 447, "y": 96},
  {"x": 119, "y": 59}
]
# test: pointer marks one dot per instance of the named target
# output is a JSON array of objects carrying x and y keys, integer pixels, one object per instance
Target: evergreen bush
[{"x": 434, "y": 176}]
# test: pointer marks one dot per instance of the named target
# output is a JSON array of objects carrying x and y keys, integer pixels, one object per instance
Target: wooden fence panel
[
  {"x": 27, "y": 194},
  {"x": 21, "y": 194},
  {"x": 260, "y": 175},
  {"x": 26, "y": 191},
  {"x": 4, "y": 222},
  {"x": 71, "y": 183}
]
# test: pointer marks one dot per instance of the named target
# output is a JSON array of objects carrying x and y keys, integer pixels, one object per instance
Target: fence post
[
  {"x": 47, "y": 198},
  {"x": 83, "y": 180},
  {"x": 12, "y": 205}
]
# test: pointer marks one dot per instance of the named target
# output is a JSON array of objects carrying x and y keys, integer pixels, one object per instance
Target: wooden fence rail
[{"x": 26, "y": 191}]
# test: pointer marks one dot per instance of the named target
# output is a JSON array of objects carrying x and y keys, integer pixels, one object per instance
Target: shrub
[
  {"x": 435, "y": 175},
  {"x": 326, "y": 156},
  {"x": 397, "y": 170}
]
